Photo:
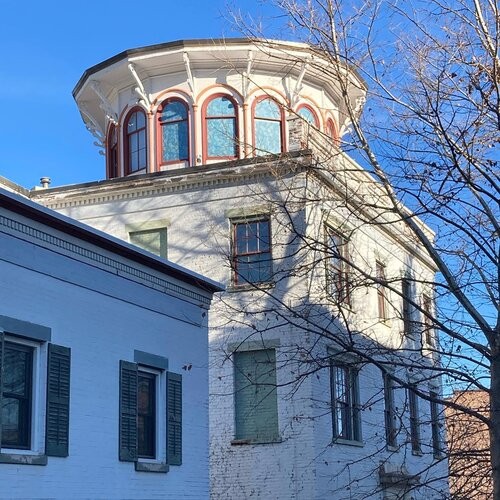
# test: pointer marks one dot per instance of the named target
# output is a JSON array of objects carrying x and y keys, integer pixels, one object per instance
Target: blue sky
[{"x": 47, "y": 45}]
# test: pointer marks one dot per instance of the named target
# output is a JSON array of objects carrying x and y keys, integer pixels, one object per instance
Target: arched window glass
[
  {"x": 308, "y": 115},
  {"x": 136, "y": 141},
  {"x": 331, "y": 131},
  {"x": 112, "y": 152},
  {"x": 174, "y": 132},
  {"x": 221, "y": 128},
  {"x": 267, "y": 120}
]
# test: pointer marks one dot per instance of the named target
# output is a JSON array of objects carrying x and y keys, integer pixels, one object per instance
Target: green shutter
[
  {"x": 256, "y": 407},
  {"x": 58, "y": 390},
  {"x": 128, "y": 412},
  {"x": 174, "y": 418}
]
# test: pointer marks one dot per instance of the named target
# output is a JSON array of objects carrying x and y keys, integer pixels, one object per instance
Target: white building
[
  {"x": 224, "y": 156},
  {"x": 103, "y": 357}
]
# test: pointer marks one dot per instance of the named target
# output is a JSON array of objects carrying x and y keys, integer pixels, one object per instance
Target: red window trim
[
  {"x": 282, "y": 121},
  {"x": 159, "y": 135},
  {"x": 205, "y": 131},
  {"x": 126, "y": 158},
  {"x": 315, "y": 115},
  {"x": 334, "y": 134},
  {"x": 110, "y": 149}
]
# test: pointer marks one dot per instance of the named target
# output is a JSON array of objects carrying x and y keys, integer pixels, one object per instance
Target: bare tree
[{"x": 429, "y": 135}]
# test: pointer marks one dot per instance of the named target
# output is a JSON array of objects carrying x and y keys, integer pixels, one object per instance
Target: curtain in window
[
  {"x": 267, "y": 127},
  {"x": 174, "y": 132},
  {"x": 221, "y": 128}
]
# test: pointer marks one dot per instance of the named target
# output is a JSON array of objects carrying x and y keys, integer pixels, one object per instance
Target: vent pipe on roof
[{"x": 45, "y": 182}]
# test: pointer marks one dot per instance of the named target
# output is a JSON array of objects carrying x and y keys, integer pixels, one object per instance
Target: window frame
[
  {"x": 331, "y": 131},
  {"x": 436, "y": 435},
  {"x": 427, "y": 313},
  {"x": 281, "y": 122},
  {"x": 237, "y": 279},
  {"x": 414, "y": 417},
  {"x": 391, "y": 430},
  {"x": 26, "y": 442},
  {"x": 126, "y": 140},
  {"x": 153, "y": 416},
  {"x": 407, "y": 298},
  {"x": 205, "y": 127},
  {"x": 162, "y": 234},
  {"x": 341, "y": 283},
  {"x": 382, "y": 302},
  {"x": 350, "y": 416},
  {"x": 112, "y": 151},
  {"x": 312, "y": 111},
  {"x": 159, "y": 129}
]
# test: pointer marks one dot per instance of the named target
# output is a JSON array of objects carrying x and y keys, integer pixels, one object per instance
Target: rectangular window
[
  {"x": 389, "y": 411},
  {"x": 414, "y": 419},
  {"x": 252, "y": 261},
  {"x": 407, "y": 295},
  {"x": 17, "y": 396},
  {"x": 256, "y": 405},
  {"x": 146, "y": 415},
  {"x": 427, "y": 319},
  {"x": 337, "y": 277},
  {"x": 152, "y": 240},
  {"x": 435, "y": 425},
  {"x": 345, "y": 402},
  {"x": 21, "y": 417},
  {"x": 150, "y": 425},
  {"x": 381, "y": 291}
]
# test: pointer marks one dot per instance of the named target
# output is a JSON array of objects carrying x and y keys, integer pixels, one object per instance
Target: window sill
[
  {"x": 22, "y": 459},
  {"x": 245, "y": 442},
  {"x": 391, "y": 448},
  {"x": 151, "y": 467},
  {"x": 249, "y": 287},
  {"x": 348, "y": 442},
  {"x": 417, "y": 453}
]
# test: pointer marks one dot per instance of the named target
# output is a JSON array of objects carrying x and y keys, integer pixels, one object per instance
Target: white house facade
[
  {"x": 104, "y": 366},
  {"x": 224, "y": 156}
]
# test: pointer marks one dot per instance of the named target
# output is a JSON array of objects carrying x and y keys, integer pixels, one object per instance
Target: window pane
[
  {"x": 344, "y": 390},
  {"x": 175, "y": 141},
  {"x": 146, "y": 415},
  {"x": 220, "y": 106},
  {"x": 256, "y": 412},
  {"x": 308, "y": 115},
  {"x": 268, "y": 136},
  {"x": 16, "y": 400},
  {"x": 174, "y": 111},
  {"x": 140, "y": 119},
  {"x": 154, "y": 241},
  {"x": 132, "y": 123},
  {"x": 252, "y": 252},
  {"x": 267, "y": 109},
  {"x": 221, "y": 137}
]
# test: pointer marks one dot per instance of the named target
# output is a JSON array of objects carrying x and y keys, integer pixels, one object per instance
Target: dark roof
[{"x": 38, "y": 213}]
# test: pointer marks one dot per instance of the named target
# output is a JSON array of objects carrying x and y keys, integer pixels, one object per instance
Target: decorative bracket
[
  {"x": 139, "y": 90},
  {"x": 191, "y": 82},
  {"x": 92, "y": 126},
  {"x": 105, "y": 105},
  {"x": 246, "y": 75},
  {"x": 298, "y": 83}
]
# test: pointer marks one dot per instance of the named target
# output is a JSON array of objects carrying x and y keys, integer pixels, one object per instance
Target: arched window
[
  {"x": 112, "y": 152},
  {"x": 309, "y": 115},
  {"x": 221, "y": 128},
  {"x": 174, "y": 130},
  {"x": 268, "y": 127},
  {"x": 331, "y": 130},
  {"x": 135, "y": 141}
]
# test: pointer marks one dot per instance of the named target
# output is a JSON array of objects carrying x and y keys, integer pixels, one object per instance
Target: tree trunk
[{"x": 495, "y": 422}]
